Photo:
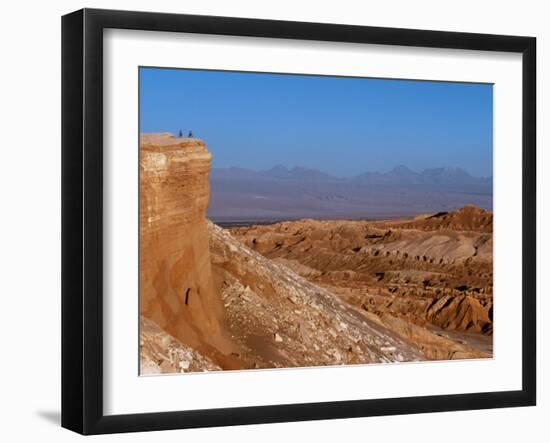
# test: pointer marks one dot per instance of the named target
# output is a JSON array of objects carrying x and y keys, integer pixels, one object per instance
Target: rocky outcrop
[
  {"x": 468, "y": 218},
  {"x": 176, "y": 286}
]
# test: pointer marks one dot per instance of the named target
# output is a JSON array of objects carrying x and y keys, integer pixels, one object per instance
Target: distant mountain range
[
  {"x": 297, "y": 173},
  {"x": 400, "y": 175},
  {"x": 282, "y": 193},
  {"x": 277, "y": 172}
]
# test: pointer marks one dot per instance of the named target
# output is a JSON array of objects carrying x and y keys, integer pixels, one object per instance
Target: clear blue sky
[{"x": 344, "y": 126}]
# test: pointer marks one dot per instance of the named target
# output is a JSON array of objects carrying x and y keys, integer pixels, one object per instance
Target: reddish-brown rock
[{"x": 176, "y": 288}]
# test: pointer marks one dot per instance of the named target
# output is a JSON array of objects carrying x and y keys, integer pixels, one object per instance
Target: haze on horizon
[{"x": 339, "y": 125}]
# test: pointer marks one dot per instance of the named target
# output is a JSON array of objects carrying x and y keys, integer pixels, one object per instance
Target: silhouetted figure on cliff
[
  {"x": 180, "y": 134},
  {"x": 190, "y": 135}
]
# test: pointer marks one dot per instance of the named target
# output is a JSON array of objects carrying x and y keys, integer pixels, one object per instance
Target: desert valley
[{"x": 306, "y": 291}]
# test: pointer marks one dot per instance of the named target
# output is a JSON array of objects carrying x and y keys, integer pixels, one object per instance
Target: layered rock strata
[{"x": 176, "y": 286}]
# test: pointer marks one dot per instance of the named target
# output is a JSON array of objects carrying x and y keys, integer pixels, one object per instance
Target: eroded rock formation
[
  {"x": 176, "y": 286},
  {"x": 302, "y": 293},
  {"x": 468, "y": 218},
  {"x": 431, "y": 272}
]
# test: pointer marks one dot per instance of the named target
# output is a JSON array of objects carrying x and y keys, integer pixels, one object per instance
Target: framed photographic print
[{"x": 269, "y": 221}]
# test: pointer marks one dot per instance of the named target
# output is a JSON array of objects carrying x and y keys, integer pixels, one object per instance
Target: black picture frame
[{"x": 82, "y": 218}]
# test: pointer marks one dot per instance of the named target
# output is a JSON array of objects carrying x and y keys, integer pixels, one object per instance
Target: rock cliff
[{"x": 176, "y": 286}]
